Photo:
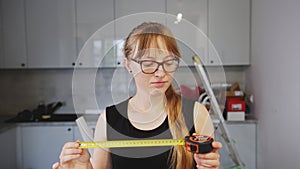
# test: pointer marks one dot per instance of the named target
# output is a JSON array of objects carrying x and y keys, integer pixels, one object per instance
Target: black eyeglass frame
[{"x": 176, "y": 59}]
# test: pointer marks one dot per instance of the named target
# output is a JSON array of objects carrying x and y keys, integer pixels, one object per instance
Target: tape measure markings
[
  {"x": 196, "y": 143},
  {"x": 132, "y": 143}
]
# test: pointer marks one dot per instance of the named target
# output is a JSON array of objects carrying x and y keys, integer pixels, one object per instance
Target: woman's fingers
[
  {"x": 72, "y": 156},
  {"x": 212, "y": 155},
  {"x": 206, "y": 167},
  {"x": 55, "y": 165},
  {"x": 209, "y": 160},
  {"x": 69, "y": 152},
  {"x": 70, "y": 148},
  {"x": 216, "y": 145},
  {"x": 70, "y": 145},
  {"x": 68, "y": 158}
]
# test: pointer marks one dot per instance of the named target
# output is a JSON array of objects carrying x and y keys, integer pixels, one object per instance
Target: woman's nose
[{"x": 160, "y": 71}]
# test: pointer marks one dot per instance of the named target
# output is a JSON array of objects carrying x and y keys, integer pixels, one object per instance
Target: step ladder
[{"x": 216, "y": 108}]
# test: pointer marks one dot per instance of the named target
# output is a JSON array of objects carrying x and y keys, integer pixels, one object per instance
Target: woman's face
[{"x": 158, "y": 82}]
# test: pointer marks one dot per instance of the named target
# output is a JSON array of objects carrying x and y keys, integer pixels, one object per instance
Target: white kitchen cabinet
[
  {"x": 128, "y": 7},
  {"x": 244, "y": 134},
  {"x": 51, "y": 33},
  {"x": 8, "y": 148},
  {"x": 190, "y": 32},
  {"x": 229, "y": 31},
  {"x": 127, "y": 19},
  {"x": 41, "y": 145},
  {"x": 95, "y": 17},
  {"x": 87, "y": 137},
  {"x": 13, "y": 46}
]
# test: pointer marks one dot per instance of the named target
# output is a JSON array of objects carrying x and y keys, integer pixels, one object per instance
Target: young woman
[{"x": 155, "y": 111}]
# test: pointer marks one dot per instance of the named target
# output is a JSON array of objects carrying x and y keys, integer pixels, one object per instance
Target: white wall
[{"x": 274, "y": 79}]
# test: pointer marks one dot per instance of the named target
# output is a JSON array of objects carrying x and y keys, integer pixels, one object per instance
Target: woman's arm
[{"x": 101, "y": 156}]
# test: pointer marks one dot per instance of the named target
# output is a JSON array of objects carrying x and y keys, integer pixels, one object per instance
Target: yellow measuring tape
[
  {"x": 196, "y": 144},
  {"x": 132, "y": 143}
]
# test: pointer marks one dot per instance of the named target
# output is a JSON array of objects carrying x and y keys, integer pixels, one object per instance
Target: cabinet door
[
  {"x": 92, "y": 16},
  {"x": 190, "y": 30},
  {"x": 84, "y": 136},
  {"x": 126, "y": 18},
  {"x": 229, "y": 30},
  {"x": 128, "y": 7},
  {"x": 245, "y": 137},
  {"x": 51, "y": 36},
  {"x": 13, "y": 25},
  {"x": 41, "y": 145},
  {"x": 8, "y": 147}
]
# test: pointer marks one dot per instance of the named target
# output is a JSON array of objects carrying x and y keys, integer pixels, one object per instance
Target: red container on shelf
[{"x": 236, "y": 105}]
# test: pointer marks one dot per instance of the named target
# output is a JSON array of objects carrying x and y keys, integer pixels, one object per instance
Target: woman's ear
[{"x": 127, "y": 64}]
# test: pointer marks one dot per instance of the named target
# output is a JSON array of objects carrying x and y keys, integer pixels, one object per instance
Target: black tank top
[{"x": 120, "y": 128}]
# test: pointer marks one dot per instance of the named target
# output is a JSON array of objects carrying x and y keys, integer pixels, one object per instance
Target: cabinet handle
[
  {"x": 23, "y": 64},
  {"x": 73, "y": 64},
  {"x": 93, "y": 131},
  {"x": 69, "y": 129}
]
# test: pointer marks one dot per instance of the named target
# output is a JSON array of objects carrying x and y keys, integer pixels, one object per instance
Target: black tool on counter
[
  {"x": 23, "y": 116},
  {"x": 50, "y": 109},
  {"x": 43, "y": 112}
]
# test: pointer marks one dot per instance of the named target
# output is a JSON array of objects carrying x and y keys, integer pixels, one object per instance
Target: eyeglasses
[{"x": 151, "y": 66}]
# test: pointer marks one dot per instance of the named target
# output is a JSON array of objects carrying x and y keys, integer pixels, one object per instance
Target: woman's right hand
[{"x": 72, "y": 156}]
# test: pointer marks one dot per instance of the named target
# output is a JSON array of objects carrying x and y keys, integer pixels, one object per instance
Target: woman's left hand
[{"x": 209, "y": 160}]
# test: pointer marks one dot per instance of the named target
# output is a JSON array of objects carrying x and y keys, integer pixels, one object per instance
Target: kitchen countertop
[
  {"x": 90, "y": 119},
  {"x": 247, "y": 121},
  {"x": 6, "y": 126}
]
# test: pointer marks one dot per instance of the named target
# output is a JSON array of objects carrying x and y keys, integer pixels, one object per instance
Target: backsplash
[{"x": 25, "y": 88}]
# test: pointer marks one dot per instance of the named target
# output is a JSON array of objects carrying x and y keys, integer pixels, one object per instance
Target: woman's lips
[{"x": 159, "y": 84}]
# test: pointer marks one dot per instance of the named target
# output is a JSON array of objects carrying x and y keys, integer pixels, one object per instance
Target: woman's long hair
[{"x": 143, "y": 37}]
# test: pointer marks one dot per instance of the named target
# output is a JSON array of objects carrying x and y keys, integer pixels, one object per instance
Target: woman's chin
[{"x": 157, "y": 92}]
